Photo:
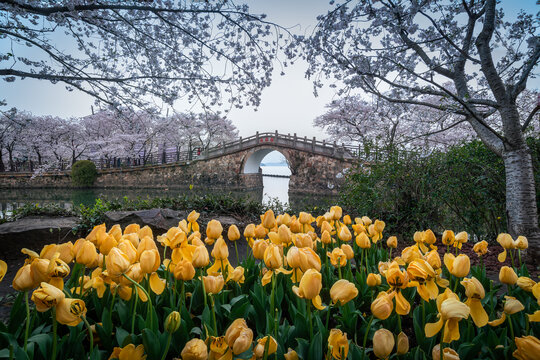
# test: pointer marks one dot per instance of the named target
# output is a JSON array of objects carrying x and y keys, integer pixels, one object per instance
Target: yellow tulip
[
  {"x": 86, "y": 254},
  {"x": 303, "y": 240},
  {"x": 309, "y": 288},
  {"x": 348, "y": 251},
  {"x": 429, "y": 237},
  {"x": 336, "y": 212},
  {"x": 422, "y": 275},
  {"x": 285, "y": 235},
  {"x": 40, "y": 269},
  {"x": 418, "y": 237},
  {"x": 117, "y": 262},
  {"x": 362, "y": 240},
  {"x": 259, "y": 247},
  {"x": 458, "y": 266},
  {"x": 383, "y": 343},
  {"x": 343, "y": 291},
  {"x": 239, "y": 336},
  {"x": 237, "y": 275},
  {"x": 337, "y": 341},
  {"x": 373, "y": 280},
  {"x": 284, "y": 219},
  {"x": 214, "y": 229},
  {"x": 24, "y": 279},
  {"x": 402, "y": 344},
  {"x": 411, "y": 253},
  {"x": 344, "y": 233},
  {"x": 461, "y": 238},
  {"x": 47, "y": 296},
  {"x": 434, "y": 259},
  {"x": 146, "y": 243},
  {"x": 528, "y": 348},
  {"x": 106, "y": 244},
  {"x": 128, "y": 352},
  {"x": 448, "y": 237},
  {"x": 451, "y": 311},
  {"x": 220, "y": 250},
  {"x": 150, "y": 261},
  {"x": 258, "y": 351},
  {"x": 57, "y": 267},
  {"x": 525, "y": 283},
  {"x": 3, "y": 269},
  {"x": 304, "y": 218},
  {"x": 269, "y": 220},
  {"x": 507, "y": 276},
  {"x": 382, "y": 306},
  {"x": 200, "y": 257},
  {"x": 511, "y": 306},
  {"x": 295, "y": 226},
  {"x": 337, "y": 257},
  {"x": 273, "y": 258},
  {"x": 233, "y": 233},
  {"x": 195, "y": 349},
  {"x": 448, "y": 353},
  {"x": 132, "y": 229},
  {"x": 366, "y": 220},
  {"x": 70, "y": 311},
  {"x": 213, "y": 284},
  {"x": 129, "y": 249},
  {"x": 218, "y": 348},
  {"x": 173, "y": 238},
  {"x": 325, "y": 226},
  {"x": 249, "y": 231},
  {"x": 291, "y": 355},
  {"x": 309, "y": 259},
  {"x": 392, "y": 242},
  {"x": 481, "y": 248},
  {"x": 184, "y": 270},
  {"x": 521, "y": 243},
  {"x": 506, "y": 241},
  {"x": 347, "y": 220},
  {"x": 475, "y": 293}
]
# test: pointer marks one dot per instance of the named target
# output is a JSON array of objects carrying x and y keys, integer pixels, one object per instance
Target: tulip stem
[
  {"x": 519, "y": 256},
  {"x": 362, "y": 258},
  {"x": 134, "y": 311},
  {"x": 150, "y": 307},
  {"x": 55, "y": 326},
  {"x": 181, "y": 300},
  {"x": 204, "y": 290},
  {"x": 441, "y": 346},
  {"x": 456, "y": 284},
  {"x": 167, "y": 347},
  {"x": 272, "y": 303},
  {"x": 310, "y": 321},
  {"x": 266, "y": 347},
  {"x": 213, "y": 314},
  {"x": 82, "y": 280},
  {"x": 236, "y": 251},
  {"x": 27, "y": 320},
  {"x": 511, "y": 327},
  {"x": 511, "y": 257},
  {"x": 90, "y": 334},
  {"x": 339, "y": 270},
  {"x": 365, "y": 337},
  {"x": 328, "y": 316}
]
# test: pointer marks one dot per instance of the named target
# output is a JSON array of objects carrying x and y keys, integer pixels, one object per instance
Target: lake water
[{"x": 275, "y": 188}]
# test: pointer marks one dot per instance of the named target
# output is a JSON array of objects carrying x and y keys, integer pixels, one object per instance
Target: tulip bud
[
  {"x": 402, "y": 344},
  {"x": 259, "y": 247},
  {"x": 213, "y": 284},
  {"x": 507, "y": 276},
  {"x": 249, "y": 231},
  {"x": 521, "y": 243},
  {"x": 117, "y": 262},
  {"x": 448, "y": 353},
  {"x": 348, "y": 251},
  {"x": 362, "y": 240},
  {"x": 383, "y": 343},
  {"x": 172, "y": 322},
  {"x": 326, "y": 238},
  {"x": 373, "y": 280},
  {"x": 344, "y": 233},
  {"x": 291, "y": 355},
  {"x": 261, "y": 343},
  {"x": 233, "y": 233},
  {"x": 284, "y": 234},
  {"x": 528, "y": 347},
  {"x": 24, "y": 279},
  {"x": 392, "y": 242},
  {"x": 86, "y": 254},
  {"x": 46, "y": 297},
  {"x": 150, "y": 261},
  {"x": 195, "y": 349},
  {"x": 239, "y": 336},
  {"x": 269, "y": 220},
  {"x": 260, "y": 232}
]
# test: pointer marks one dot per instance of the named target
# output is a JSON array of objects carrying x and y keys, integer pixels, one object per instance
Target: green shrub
[{"x": 83, "y": 173}]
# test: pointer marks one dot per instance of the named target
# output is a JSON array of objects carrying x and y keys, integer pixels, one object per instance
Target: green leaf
[
  {"x": 121, "y": 336},
  {"x": 315, "y": 348},
  {"x": 151, "y": 344},
  {"x": 43, "y": 341}
]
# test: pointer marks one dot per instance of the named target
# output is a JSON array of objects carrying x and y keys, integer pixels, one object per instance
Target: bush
[{"x": 83, "y": 173}]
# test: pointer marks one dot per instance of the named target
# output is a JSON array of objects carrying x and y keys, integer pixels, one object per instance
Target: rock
[{"x": 159, "y": 220}]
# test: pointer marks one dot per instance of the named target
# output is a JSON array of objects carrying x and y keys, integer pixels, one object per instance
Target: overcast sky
[{"x": 288, "y": 105}]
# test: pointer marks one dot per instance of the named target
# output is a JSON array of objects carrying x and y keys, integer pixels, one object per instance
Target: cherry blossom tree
[
  {"x": 128, "y": 52},
  {"x": 403, "y": 50}
]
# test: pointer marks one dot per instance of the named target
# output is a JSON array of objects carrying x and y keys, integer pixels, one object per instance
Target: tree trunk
[
  {"x": 2, "y": 166},
  {"x": 521, "y": 209}
]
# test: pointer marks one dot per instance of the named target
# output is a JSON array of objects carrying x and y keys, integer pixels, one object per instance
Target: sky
[{"x": 288, "y": 105}]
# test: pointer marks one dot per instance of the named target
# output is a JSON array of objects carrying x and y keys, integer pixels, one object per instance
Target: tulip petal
[
  {"x": 502, "y": 256},
  {"x": 267, "y": 277},
  {"x": 432, "y": 288},
  {"x": 451, "y": 330},
  {"x": 297, "y": 292},
  {"x": 402, "y": 305},
  {"x": 317, "y": 302},
  {"x": 498, "y": 322},
  {"x": 157, "y": 284},
  {"x": 478, "y": 314},
  {"x": 534, "y": 317},
  {"x": 431, "y": 329},
  {"x": 444, "y": 283},
  {"x": 423, "y": 292},
  {"x": 214, "y": 269}
]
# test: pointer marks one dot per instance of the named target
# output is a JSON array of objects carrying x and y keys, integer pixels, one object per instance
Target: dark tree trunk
[
  {"x": 521, "y": 209},
  {"x": 2, "y": 166},
  {"x": 11, "y": 163}
]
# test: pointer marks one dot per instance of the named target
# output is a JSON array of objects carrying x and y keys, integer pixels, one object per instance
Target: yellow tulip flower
[
  {"x": 521, "y": 243},
  {"x": 344, "y": 234},
  {"x": 458, "y": 266},
  {"x": 481, "y": 248},
  {"x": 213, "y": 284},
  {"x": 451, "y": 311},
  {"x": 259, "y": 247},
  {"x": 195, "y": 349},
  {"x": 47, "y": 296},
  {"x": 86, "y": 254},
  {"x": 475, "y": 293},
  {"x": 348, "y": 251},
  {"x": 172, "y": 322},
  {"x": 192, "y": 221},
  {"x": 337, "y": 257},
  {"x": 128, "y": 352},
  {"x": 24, "y": 279},
  {"x": 129, "y": 249},
  {"x": 366, "y": 221},
  {"x": 448, "y": 238},
  {"x": 220, "y": 250},
  {"x": 461, "y": 238},
  {"x": 429, "y": 238},
  {"x": 525, "y": 283},
  {"x": 448, "y": 353},
  {"x": 528, "y": 348},
  {"x": 291, "y": 355},
  {"x": 237, "y": 275},
  {"x": 506, "y": 241},
  {"x": 150, "y": 261},
  {"x": 343, "y": 291},
  {"x": 70, "y": 311},
  {"x": 373, "y": 280},
  {"x": 411, "y": 253},
  {"x": 117, "y": 262},
  {"x": 239, "y": 336},
  {"x": 285, "y": 235},
  {"x": 309, "y": 288},
  {"x": 258, "y": 351},
  {"x": 362, "y": 240},
  {"x": 132, "y": 229},
  {"x": 392, "y": 242},
  {"x": 383, "y": 343},
  {"x": 146, "y": 243},
  {"x": 422, "y": 275},
  {"x": 184, "y": 270},
  {"x": 3, "y": 269},
  {"x": 200, "y": 257},
  {"x": 511, "y": 306},
  {"x": 507, "y": 275},
  {"x": 337, "y": 341},
  {"x": 233, "y": 233},
  {"x": 398, "y": 279},
  {"x": 402, "y": 344},
  {"x": 269, "y": 220},
  {"x": 382, "y": 306},
  {"x": 249, "y": 234},
  {"x": 214, "y": 229}
]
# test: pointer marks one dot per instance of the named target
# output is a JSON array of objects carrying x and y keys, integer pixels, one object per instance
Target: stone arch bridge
[{"x": 316, "y": 166}]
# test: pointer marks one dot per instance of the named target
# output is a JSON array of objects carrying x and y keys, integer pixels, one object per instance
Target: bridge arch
[{"x": 252, "y": 159}]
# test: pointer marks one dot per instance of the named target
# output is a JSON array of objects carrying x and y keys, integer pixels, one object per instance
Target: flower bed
[{"x": 309, "y": 288}]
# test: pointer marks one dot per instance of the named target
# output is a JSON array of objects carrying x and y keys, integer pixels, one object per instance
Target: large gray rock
[{"x": 160, "y": 220}]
